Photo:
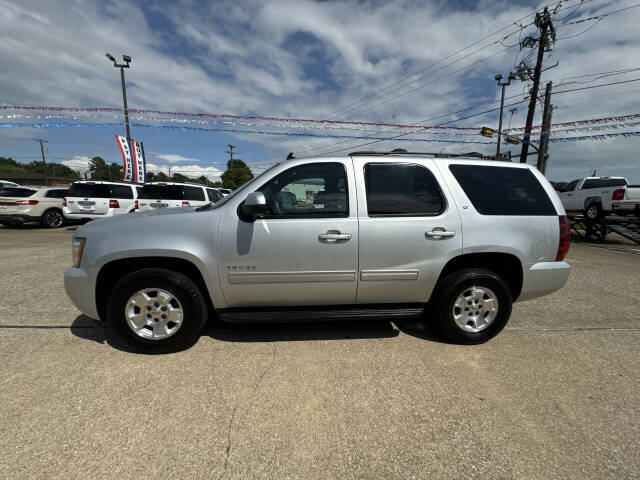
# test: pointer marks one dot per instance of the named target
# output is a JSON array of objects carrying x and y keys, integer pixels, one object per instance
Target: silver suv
[{"x": 390, "y": 236}]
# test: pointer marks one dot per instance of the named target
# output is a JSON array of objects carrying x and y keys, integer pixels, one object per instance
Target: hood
[{"x": 130, "y": 222}]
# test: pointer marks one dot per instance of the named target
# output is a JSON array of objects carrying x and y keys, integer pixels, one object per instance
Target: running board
[{"x": 317, "y": 314}]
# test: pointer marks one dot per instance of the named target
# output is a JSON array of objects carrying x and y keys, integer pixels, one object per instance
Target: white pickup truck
[{"x": 597, "y": 196}]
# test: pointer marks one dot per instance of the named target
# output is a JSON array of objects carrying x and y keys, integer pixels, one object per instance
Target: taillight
[
  {"x": 136, "y": 205},
  {"x": 565, "y": 238},
  {"x": 114, "y": 203},
  {"x": 186, "y": 204},
  {"x": 27, "y": 202},
  {"x": 618, "y": 194},
  {"x": 64, "y": 202}
]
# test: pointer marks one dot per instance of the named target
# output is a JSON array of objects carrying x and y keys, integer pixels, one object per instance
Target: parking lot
[{"x": 556, "y": 395}]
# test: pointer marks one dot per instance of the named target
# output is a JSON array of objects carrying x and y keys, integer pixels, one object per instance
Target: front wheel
[
  {"x": 157, "y": 310},
  {"x": 472, "y": 306}
]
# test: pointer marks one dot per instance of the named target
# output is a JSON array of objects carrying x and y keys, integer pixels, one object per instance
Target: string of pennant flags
[
  {"x": 256, "y": 120},
  {"x": 184, "y": 128}
]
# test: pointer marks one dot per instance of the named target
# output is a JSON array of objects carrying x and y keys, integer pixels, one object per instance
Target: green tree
[
  {"x": 238, "y": 173},
  {"x": 101, "y": 170},
  {"x": 179, "y": 177}
]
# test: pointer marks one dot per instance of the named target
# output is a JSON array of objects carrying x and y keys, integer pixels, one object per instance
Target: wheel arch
[
  {"x": 593, "y": 199},
  {"x": 114, "y": 270},
  {"x": 508, "y": 266}
]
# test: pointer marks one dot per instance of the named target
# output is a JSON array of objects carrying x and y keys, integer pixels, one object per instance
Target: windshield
[
  {"x": 161, "y": 192},
  {"x": 93, "y": 190},
  {"x": 241, "y": 188}
]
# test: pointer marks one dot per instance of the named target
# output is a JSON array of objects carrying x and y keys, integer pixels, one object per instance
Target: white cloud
[
  {"x": 193, "y": 171},
  {"x": 240, "y": 59},
  {"x": 79, "y": 163},
  {"x": 174, "y": 158}
]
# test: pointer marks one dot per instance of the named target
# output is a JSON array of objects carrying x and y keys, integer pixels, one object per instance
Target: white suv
[
  {"x": 20, "y": 205},
  {"x": 95, "y": 199},
  {"x": 169, "y": 194}
]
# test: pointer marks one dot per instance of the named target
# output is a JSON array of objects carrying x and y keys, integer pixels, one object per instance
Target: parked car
[
  {"x": 157, "y": 195},
  {"x": 7, "y": 183},
  {"x": 20, "y": 205},
  {"x": 598, "y": 196},
  {"x": 87, "y": 200},
  {"x": 368, "y": 236}
]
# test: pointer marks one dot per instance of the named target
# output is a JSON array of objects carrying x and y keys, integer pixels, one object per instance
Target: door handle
[
  {"x": 569, "y": 194},
  {"x": 440, "y": 233},
  {"x": 334, "y": 236}
]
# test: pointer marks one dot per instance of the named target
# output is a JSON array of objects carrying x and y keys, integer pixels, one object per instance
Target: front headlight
[{"x": 77, "y": 247}]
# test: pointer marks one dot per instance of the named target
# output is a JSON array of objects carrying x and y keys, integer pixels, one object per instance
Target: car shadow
[{"x": 89, "y": 329}]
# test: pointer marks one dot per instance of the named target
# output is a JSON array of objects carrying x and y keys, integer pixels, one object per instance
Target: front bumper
[
  {"x": 81, "y": 290},
  {"x": 544, "y": 278}
]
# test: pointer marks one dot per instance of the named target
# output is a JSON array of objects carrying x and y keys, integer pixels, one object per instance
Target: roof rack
[{"x": 402, "y": 151}]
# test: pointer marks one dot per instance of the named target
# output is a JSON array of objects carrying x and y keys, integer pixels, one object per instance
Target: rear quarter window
[
  {"x": 16, "y": 192},
  {"x": 503, "y": 190}
]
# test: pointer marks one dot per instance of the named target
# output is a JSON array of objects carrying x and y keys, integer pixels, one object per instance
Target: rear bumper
[
  {"x": 544, "y": 278},
  {"x": 81, "y": 291},
  {"x": 627, "y": 206},
  {"x": 18, "y": 217},
  {"x": 89, "y": 216}
]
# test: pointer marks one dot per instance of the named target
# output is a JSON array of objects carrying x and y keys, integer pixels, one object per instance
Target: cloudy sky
[{"x": 345, "y": 60}]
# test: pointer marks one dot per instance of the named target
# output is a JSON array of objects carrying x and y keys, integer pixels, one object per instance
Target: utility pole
[
  {"x": 44, "y": 161},
  {"x": 545, "y": 129},
  {"x": 544, "y": 23},
  {"x": 498, "y": 78},
  {"x": 230, "y": 151}
]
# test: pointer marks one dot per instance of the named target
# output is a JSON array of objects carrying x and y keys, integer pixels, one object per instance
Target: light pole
[
  {"x": 122, "y": 66},
  {"x": 498, "y": 78}
]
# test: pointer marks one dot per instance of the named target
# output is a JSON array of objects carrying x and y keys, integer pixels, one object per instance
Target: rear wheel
[
  {"x": 52, "y": 218},
  {"x": 157, "y": 310},
  {"x": 472, "y": 306},
  {"x": 593, "y": 211}
]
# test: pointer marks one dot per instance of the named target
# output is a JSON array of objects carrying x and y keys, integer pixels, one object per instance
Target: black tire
[
  {"x": 193, "y": 304},
  {"x": 52, "y": 218},
  {"x": 593, "y": 211},
  {"x": 454, "y": 284}
]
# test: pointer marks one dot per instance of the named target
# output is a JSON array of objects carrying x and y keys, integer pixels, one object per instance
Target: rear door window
[
  {"x": 121, "y": 191},
  {"x": 161, "y": 192},
  {"x": 193, "y": 193},
  {"x": 16, "y": 192},
  {"x": 89, "y": 190},
  {"x": 398, "y": 189},
  {"x": 503, "y": 190}
]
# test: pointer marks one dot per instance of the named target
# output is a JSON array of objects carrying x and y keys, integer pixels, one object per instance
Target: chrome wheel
[
  {"x": 53, "y": 219},
  {"x": 475, "y": 309},
  {"x": 153, "y": 313}
]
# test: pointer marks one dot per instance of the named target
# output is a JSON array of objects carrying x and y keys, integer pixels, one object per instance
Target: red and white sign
[{"x": 127, "y": 162}]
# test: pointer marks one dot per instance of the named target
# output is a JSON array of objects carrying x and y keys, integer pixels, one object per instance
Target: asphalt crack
[{"x": 235, "y": 408}]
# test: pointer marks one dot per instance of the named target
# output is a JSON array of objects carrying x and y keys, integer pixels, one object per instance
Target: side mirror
[{"x": 254, "y": 206}]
